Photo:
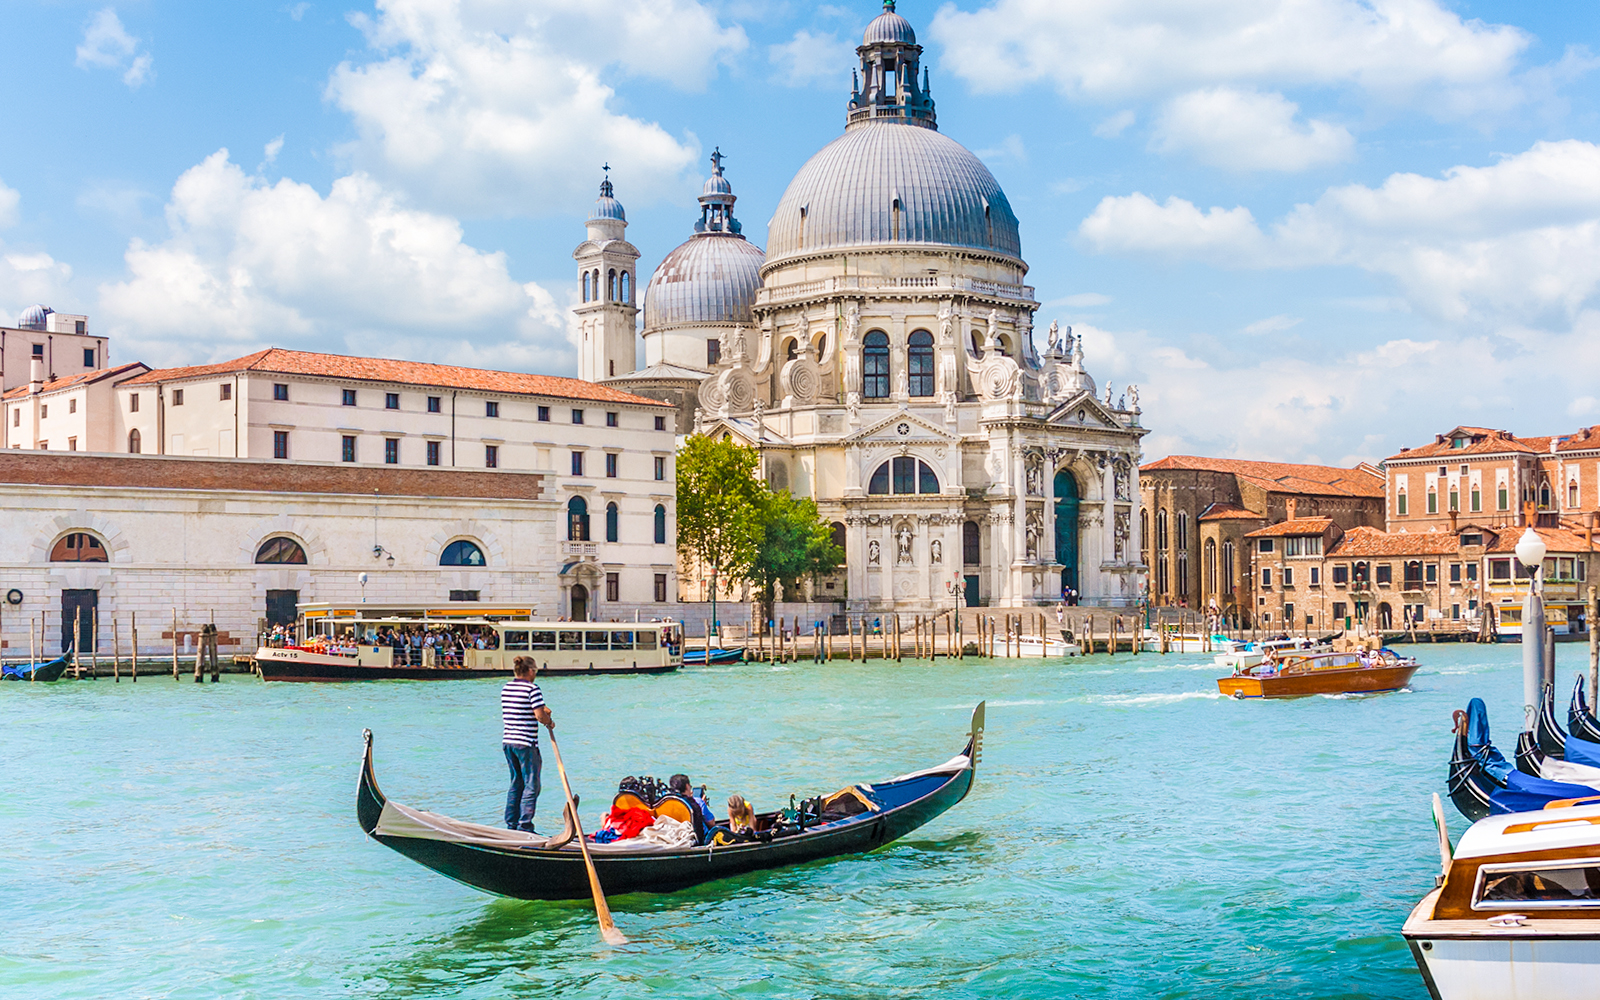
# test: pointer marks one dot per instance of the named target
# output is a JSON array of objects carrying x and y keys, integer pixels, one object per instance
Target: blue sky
[{"x": 1310, "y": 230}]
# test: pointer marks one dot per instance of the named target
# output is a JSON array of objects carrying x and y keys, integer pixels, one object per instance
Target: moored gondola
[
  {"x": 1477, "y": 769},
  {"x": 528, "y": 866},
  {"x": 39, "y": 672},
  {"x": 1482, "y": 783},
  {"x": 1580, "y": 720}
]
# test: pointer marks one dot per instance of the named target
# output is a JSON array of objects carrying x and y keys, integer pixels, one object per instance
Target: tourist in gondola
[
  {"x": 680, "y": 783},
  {"x": 522, "y": 708}
]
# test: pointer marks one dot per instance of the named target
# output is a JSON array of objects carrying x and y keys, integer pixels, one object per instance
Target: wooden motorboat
[
  {"x": 699, "y": 657},
  {"x": 1236, "y": 654},
  {"x": 1517, "y": 909},
  {"x": 529, "y": 866},
  {"x": 39, "y": 672},
  {"x": 1294, "y": 675}
]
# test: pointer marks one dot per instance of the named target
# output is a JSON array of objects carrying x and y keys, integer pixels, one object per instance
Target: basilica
[{"x": 881, "y": 355}]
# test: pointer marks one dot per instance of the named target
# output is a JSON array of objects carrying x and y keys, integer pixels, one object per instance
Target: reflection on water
[{"x": 1129, "y": 834}]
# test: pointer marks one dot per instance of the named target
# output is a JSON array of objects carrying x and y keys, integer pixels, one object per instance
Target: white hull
[
  {"x": 1495, "y": 967},
  {"x": 1029, "y": 646}
]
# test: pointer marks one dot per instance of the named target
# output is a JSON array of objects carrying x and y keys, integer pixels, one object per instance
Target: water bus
[
  {"x": 331, "y": 642},
  {"x": 1296, "y": 675}
]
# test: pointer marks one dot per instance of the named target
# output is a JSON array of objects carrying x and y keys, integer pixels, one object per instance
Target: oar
[{"x": 608, "y": 929}]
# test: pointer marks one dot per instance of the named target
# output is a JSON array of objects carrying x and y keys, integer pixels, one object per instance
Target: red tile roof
[
  {"x": 86, "y": 378},
  {"x": 1369, "y": 542},
  {"x": 1299, "y": 526},
  {"x": 1487, "y": 442},
  {"x": 276, "y": 360},
  {"x": 1555, "y": 540},
  {"x": 1229, "y": 512},
  {"x": 1282, "y": 477}
]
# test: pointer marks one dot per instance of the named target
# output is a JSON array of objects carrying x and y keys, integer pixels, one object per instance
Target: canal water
[{"x": 1130, "y": 834}]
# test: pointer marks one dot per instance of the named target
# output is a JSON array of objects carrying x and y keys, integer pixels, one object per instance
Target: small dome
[
  {"x": 35, "y": 318},
  {"x": 710, "y": 280},
  {"x": 890, "y": 28},
  {"x": 607, "y": 206},
  {"x": 717, "y": 184}
]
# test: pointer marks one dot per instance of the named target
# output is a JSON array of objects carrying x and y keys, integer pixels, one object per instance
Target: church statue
[
  {"x": 903, "y": 539},
  {"x": 1035, "y": 532},
  {"x": 1035, "y": 468},
  {"x": 946, "y": 323},
  {"x": 1054, "y": 336},
  {"x": 1133, "y": 398},
  {"x": 1108, "y": 392},
  {"x": 991, "y": 341},
  {"x": 936, "y": 552},
  {"x": 872, "y": 552}
]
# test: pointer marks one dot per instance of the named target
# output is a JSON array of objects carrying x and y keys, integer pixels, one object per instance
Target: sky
[{"x": 1308, "y": 230}]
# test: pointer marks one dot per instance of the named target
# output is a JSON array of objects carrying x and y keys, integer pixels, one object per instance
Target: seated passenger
[
  {"x": 741, "y": 818},
  {"x": 679, "y": 783}
]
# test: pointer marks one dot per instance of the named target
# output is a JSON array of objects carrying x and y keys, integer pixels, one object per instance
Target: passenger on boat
[
  {"x": 741, "y": 818},
  {"x": 680, "y": 783}
]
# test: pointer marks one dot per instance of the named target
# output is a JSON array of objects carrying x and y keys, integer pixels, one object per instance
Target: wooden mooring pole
[
  {"x": 133, "y": 652},
  {"x": 174, "y": 643}
]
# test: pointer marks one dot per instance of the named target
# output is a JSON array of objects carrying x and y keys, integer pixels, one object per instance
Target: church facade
[{"x": 880, "y": 354}]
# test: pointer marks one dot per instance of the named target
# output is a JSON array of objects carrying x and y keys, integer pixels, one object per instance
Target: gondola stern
[{"x": 369, "y": 798}]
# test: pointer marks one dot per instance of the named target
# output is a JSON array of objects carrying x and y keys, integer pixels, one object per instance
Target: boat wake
[{"x": 1140, "y": 700}]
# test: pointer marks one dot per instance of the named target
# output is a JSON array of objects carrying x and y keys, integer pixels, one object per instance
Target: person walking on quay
[{"x": 522, "y": 708}]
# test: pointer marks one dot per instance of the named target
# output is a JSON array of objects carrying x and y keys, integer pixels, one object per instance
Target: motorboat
[
  {"x": 1236, "y": 654},
  {"x": 1044, "y": 647},
  {"x": 1516, "y": 908},
  {"x": 857, "y": 819},
  {"x": 1296, "y": 674}
]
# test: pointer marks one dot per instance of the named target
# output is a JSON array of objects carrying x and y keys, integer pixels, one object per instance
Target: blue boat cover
[
  {"x": 1524, "y": 793},
  {"x": 1479, "y": 744},
  {"x": 1581, "y": 751}
]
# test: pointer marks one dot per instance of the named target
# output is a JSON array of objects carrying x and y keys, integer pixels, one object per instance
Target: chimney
[
  {"x": 1453, "y": 516},
  {"x": 36, "y": 377},
  {"x": 1588, "y": 530},
  {"x": 1291, "y": 504}
]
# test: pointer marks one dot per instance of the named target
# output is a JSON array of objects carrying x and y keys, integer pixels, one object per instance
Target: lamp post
[
  {"x": 1530, "y": 553},
  {"x": 957, "y": 588},
  {"x": 361, "y": 578}
]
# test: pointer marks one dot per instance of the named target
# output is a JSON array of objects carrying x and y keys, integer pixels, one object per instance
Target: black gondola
[
  {"x": 1552, "y": 741},
  {"x": 1580, "y": 720},
  {"x": 39, "y": 672},
  {"x": 527, "y": 866},
  {"x": 1477, "y": 769}
]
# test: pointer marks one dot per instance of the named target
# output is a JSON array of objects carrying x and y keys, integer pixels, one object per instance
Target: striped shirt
[{"x": 519, "y": 699}]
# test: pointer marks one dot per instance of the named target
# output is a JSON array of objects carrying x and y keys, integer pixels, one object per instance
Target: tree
[
  {"x": 795, "y": 542},
  {"x": 719, "y": 507}
]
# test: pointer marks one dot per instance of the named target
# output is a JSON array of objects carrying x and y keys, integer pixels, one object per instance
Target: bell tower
[{"x": 607, "y": 279}]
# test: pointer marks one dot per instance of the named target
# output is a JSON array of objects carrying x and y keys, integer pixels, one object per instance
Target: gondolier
[{"x": 522, "y": 708}]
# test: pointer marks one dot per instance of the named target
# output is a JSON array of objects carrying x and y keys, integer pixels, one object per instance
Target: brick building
[{"x": 1196, "y": 514}]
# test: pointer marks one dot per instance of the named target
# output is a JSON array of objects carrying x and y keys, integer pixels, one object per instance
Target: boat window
[
  {"x": 596, "y": 640},
  {"x": 517, "y": 640},
  {"x": 647, "y": 640},
  {"x": 622, "y": 640},
  {"x": 543, "y": 640},
  {"x": 1565, "y": 884},
  {"x": 572, "y": 640}
]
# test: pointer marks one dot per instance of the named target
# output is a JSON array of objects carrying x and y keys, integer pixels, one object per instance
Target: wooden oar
[{"x": 608, "y": 928}]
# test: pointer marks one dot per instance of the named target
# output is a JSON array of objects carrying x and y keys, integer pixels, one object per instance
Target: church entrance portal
[
  {"x": 580, "y": 603},
  {"x": 1066, "y": 490}
]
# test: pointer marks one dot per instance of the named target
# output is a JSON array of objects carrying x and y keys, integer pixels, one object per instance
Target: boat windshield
[{"x": 1566, "y": 884}]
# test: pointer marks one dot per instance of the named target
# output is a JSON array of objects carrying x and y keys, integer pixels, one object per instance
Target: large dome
[
  {"x": 848, "y": 195},
  {"x": 710, "y": 280}
]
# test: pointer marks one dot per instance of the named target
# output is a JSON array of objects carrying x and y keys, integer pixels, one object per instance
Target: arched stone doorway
[
  {"x": 1066, "y": 490},
  {"x": 580, "y": 603}
]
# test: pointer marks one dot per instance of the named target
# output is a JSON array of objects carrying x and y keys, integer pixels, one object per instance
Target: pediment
[
  {"x": 901, "y": 426},
  {"x": 621, "y": 248},
  {"x": 1095, "y": 413}
]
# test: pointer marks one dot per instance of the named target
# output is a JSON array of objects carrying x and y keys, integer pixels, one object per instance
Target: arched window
[
  {"x": 1211, "y": 566},
  {"x": 1183, "y": 529},
  {"x": 971, "y": 551},
  {"x": 1544, "y": 495},
  {"x": 1144, "y": 531},
  {"x": 135, "y": 443},
  {"x": 611, "y": 286},
  {"x": 875, "y": 365},
  {"x": 977, "y": 345},
  {"x": 902, "y": 476},
  {"x": 627, "y": 288},
  {"x": 1572, "y": 494},
  {"x": 586, "y": 286},
  {"x": 1400, "y": 505},
  {"x": 80, "y": 546},
  {"x": 1161, "y": 577},
  {"x": 462, "y": 553},
  {"x": 919, "y": 364},
  {"x": 791, "y": 348},
  {"x": 838, "y": 537},
  {"x": 1161, "y": 529},
  {"x": 1228, "y": 573},
  {"x": 1183, "y": 573},
  {"x": 577, "y": 520},
  {"x": 1003, "y": 344},
  {"x": 280, "y": 551},
  {"x": 661, "y": 524},
  {"x": 611, "y": 522}
]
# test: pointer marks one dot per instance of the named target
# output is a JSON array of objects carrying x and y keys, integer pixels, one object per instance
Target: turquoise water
[{"x": 1130, "y": 834}]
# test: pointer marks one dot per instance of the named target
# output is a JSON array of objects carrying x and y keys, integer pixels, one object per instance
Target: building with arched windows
[{"x": 881, "y": 356}]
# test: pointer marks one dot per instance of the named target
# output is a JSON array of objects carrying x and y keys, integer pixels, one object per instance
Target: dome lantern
[
  {"x": 716, "y": 202},
  {"x": 608, "y": 220},
  {"x": 887, "y": 89}
]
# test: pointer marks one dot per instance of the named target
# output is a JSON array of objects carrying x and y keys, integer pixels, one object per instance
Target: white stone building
[{"x": 881, "y": 355}]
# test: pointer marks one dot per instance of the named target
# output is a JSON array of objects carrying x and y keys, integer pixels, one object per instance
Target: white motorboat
[
  {"x": 1238, "y": 655},
  {"x": 1516, "y": 915},
  {"x": 1030, "y": 645}
]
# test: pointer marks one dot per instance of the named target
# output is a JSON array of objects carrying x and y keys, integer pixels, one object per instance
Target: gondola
[
  {"x": 1481, "y": 782},
  {"x": 1477, "y": 769},
  {"x": 38, "y": 672},
  {"x": 1580, "y": 720},
  {"x": 529, "y": 866},
  {"x": 701, "y": 657}
]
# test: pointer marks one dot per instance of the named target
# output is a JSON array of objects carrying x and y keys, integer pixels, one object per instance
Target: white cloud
[
  {"x": 9, "y": 200},
  {"x": 1516, "y": 240},
  {"x": 1273, "y": 324},
  {"x": 250, "y": 264},
  {"x": 1404, "y": 50},
  {"x": 28, "y": 277},
  {"x": 499, "y": 107},
  {"x": 1010, "y": 148},
  {"x": 107, "y": 45},
  {"x": 272, "y": 149},
  {"x": 1115, "y": 125},
  {"x": 1247, "y": 130},
  {"x": 296, "y": 11},
  {"x": 809, "y": 58}
]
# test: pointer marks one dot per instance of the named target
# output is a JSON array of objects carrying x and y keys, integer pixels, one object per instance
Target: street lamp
[
  {"x": 361, "y": 578},
  {"x": 1530, "y": 553},
  {"x": 957, "y": 588}
]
